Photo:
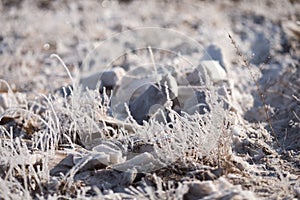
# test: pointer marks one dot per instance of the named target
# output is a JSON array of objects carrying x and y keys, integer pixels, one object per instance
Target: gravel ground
[{"x": 247, "y": 53}]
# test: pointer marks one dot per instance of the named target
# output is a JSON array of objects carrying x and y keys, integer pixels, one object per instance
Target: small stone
[
  {"x": 7, "y": 100},
  {"x": 214, "y": 53},
  {"x": 214, "y": 70},
  {"x": 111, "y": 181},
  {"x": 240, "y": 163},
  {"x": 144, "y": 162},
  {"x": 98, "y": 161},
  {"x": 185, "y": 48},
  {"x": 53, "y": 184},
  {"x": 62, "y": 166},
  {"x": 115, "y": 156},
  {"x": 105, "y": 179},
  {"x": 193, "y": 78},
  {"x": 94, "y": 160},
  {"x": 141, "y": 107},
  {"x": 109, "y": 79},
  {"x": 153, "y": 99},
  {"x": 66, "y": 161},
  {"x": 171, "y": 83},
  {"x": 192, "y": 101},
  {"x": 198, "y": 190},
  {"x": 83, "y": 175},
  {"x": 261, "y": 49},
  {"x": 237, "y": 131},
  {"x": 297, "y": 192}
]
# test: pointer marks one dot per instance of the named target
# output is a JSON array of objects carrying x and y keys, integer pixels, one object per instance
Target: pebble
[
  {"x": 217, "y": 189},
  {"x": 94, "y": 160},
  {"x": 144, "y": 162},
  {"x": 154, "y": 98},
  {"x": 140, "y": 107},
  {"x": 297, "y": 192},
  {"x": 214, "y": 70},
  {"x": 109, "y": 79},
  {"x": 192, "y": 101},
  {"x": 115, "y": 156},
  {"x": 261, "y": 49},
  {"x": 185, "y": 48},
  {"x": 110, "y": 181},
  {"x": 213, "y": 52},
  {"x": 63, "y": 166},
  {"x": 200, "y": 189}
]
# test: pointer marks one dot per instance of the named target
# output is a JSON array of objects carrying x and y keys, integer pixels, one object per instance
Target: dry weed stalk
[{"x": 246, "y": 63}]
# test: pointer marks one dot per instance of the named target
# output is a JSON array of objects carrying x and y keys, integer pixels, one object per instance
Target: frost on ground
[{"x": 149, "y": 99}]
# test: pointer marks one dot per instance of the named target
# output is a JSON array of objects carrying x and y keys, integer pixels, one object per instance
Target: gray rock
[
  {"x": 193, "y": 100},
  {"x": 185, "y": 48},
  {"x": 144, "y": 162},
  {"x": 108, "y": 179},
  {"x": 94, "y": 160},
  {"x": 217, "y": 189},
  {"x": 172, "y": 85},
  {"x": 3, "y": 101},
  {"x": 154, "y": 98},
  {"x": 213, "y": 52},
  {"x": 141, "y": 106},
  {"x": 198, "y": 190},
  {"x": 90, "y": 81},
  {"x": 114, "y": 156},
  {"x": 108, "y": 79},
  {"x": 63, "y": 166},
  {"x": 261, "y": 49},
  {"x": 215, "y": 71}
]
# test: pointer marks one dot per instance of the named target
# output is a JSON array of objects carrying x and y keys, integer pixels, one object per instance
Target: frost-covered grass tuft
[{"x": 83, "y": 118}]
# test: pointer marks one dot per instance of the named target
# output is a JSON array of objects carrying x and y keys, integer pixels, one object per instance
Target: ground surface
[{"x": 71, "y": 143}]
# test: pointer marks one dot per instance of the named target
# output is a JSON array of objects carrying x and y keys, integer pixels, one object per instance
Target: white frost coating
[
  {"x": 215, "y": 71},
  {"x": 115, "y": 156},
  {"x": 24, "y": 160},
  {"x": 144, "y": 162}
]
